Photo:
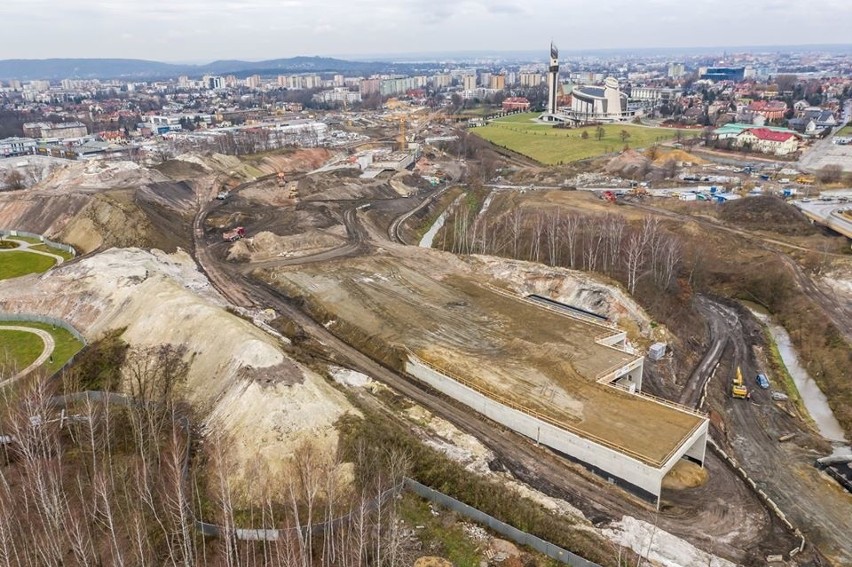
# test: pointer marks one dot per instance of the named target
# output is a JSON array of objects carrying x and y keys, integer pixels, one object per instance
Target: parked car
[{"x": 762, "y": 381}]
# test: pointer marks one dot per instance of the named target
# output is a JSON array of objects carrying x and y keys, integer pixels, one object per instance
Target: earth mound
[
  {"x": 766, "y": 213},
  {"x": 630, "y": 164}
]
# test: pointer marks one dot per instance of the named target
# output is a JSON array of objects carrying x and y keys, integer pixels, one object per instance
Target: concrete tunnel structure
[{"x": 612, "y": 457}]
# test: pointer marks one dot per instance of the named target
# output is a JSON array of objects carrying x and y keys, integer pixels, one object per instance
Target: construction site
[
  {"x": 567, "y": 382},
  {"x": 297, "y": 288}
]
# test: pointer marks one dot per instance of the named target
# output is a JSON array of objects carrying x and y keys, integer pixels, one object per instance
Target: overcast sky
[{"x": 206, "y": 30}]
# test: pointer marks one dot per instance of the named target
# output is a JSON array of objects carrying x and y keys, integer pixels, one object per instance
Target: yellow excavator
[{"x": 738, "y": 388}]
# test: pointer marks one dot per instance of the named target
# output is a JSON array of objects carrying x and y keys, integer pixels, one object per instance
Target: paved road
[
  {"x": 824, "y": 152},
  {"x": 49, "y": 346},
  {"x": 828, "y": 214},
  {"x": 27, "y": 246}
]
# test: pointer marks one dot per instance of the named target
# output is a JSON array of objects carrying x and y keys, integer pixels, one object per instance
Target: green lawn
[
  {"x": 845, "y": 131},
  {"x": 25, "y": 239},
  {"x": 551, "y": 146},
  {"x": 18, "y": 349},
  {"x": 45, "y": 248},
  {"x": 22, "y": 348},
  {"x": 20, "y": 263}
]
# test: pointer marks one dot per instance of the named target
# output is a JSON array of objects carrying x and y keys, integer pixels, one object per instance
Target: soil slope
[{"x": 256, "y": 394}]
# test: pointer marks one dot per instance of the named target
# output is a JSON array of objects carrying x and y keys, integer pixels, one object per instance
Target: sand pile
[{"x": 257, "y": 395}]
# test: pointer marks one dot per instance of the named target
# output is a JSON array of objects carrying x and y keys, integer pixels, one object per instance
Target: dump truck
[
  {"x": 234, "y": 235},
  {"x": 738, "y": 388}
]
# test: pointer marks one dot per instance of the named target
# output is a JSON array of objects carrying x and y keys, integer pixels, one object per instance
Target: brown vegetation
[
  {"x": 663, "y": 265},
  {"x": 767, "y": 213}
]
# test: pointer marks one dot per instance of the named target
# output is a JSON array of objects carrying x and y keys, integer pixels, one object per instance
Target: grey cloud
[{"x": 259, "y": 29}]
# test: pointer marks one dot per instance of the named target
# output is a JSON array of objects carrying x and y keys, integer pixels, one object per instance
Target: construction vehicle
[
  {"x": 223, "y": 194},
  {"x": 281, "y": 180},
  {"x": 608, "y": 196},
  {"x": 738, "y": 388},
  {"x": 234, "y": 235}
]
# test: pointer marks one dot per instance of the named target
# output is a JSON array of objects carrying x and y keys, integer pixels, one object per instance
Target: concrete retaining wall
[
  {"x": 615, "y": 465},
  {"x": 33, "y": 318},
  {"x": 516, "y": 535}
]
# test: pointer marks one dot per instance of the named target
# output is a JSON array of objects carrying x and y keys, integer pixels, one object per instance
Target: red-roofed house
[
  {"x": 771, "y": 109},
  {"x": 515, "y": 103},
  {"x": 768, "y": 141}
]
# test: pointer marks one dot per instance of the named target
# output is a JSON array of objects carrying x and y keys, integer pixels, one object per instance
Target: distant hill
[{"x": 137, "y": 69}]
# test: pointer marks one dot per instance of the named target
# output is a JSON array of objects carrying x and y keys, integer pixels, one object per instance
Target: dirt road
[
  {"x": 743, "y": 532},
  {"x": 785, "y": 471}
]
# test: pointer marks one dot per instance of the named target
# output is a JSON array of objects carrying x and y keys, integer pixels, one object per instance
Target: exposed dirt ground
[
  {"x": 533, "y": 356},
  {"x": 255, "y": 394},
  {"x": 766, "y": 213},
  {"x": 260, "y": 395}
]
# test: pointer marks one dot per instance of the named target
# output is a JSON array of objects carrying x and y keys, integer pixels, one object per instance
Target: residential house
[
  {"x": 514, "y": 103},
  {"x": 769, "y": 109},
  {"x": 822, "y": 118},
  {"x": 768, "y": 141},
  {"x": 803, "y": 126}
]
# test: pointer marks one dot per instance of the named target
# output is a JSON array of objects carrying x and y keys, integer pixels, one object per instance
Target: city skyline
[{"x": 195, "y": 31}]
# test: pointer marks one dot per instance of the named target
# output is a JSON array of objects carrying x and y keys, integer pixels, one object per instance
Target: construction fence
[
  {"x": 514, "y": 534},
  {"x": 51, "y": 243}
]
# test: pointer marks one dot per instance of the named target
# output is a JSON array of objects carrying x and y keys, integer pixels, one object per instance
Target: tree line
[
  {"x": 124, "y": 483},
  {"x": 603, "y": 243}
]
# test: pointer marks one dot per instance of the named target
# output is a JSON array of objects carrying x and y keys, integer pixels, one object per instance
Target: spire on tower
[{"x": 554, "y": 52}]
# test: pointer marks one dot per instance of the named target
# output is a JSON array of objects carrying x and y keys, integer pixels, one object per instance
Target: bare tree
[
  {"x": 516, "y": 226},
  {"x": 634, "y": 258},
  {"x": 15, "y": 181},
  {"x": 570, "y": 228},
  {"x": 553, "y": 229}
]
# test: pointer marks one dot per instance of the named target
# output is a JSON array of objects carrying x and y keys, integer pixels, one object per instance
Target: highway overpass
[{"x": 835, "y": 215}]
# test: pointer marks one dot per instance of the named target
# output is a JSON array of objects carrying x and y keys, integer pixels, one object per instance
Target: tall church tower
[{"x": 552, "y": 79}]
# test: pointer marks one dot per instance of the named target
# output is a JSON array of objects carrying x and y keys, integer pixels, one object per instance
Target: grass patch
[
  {"x": 549, "y": 145},
  {"x": 59, "y": 252},
  {"x": 28, "y": 239},
  {"x": 845, "y": 131},
  {"x": 19, "y": 349},
  {"x": 16, "y": 263},
  {"x": 67, "y": 344},
  {"x": 523, "y": 118},
  {"x": 441, "y": 535}
]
